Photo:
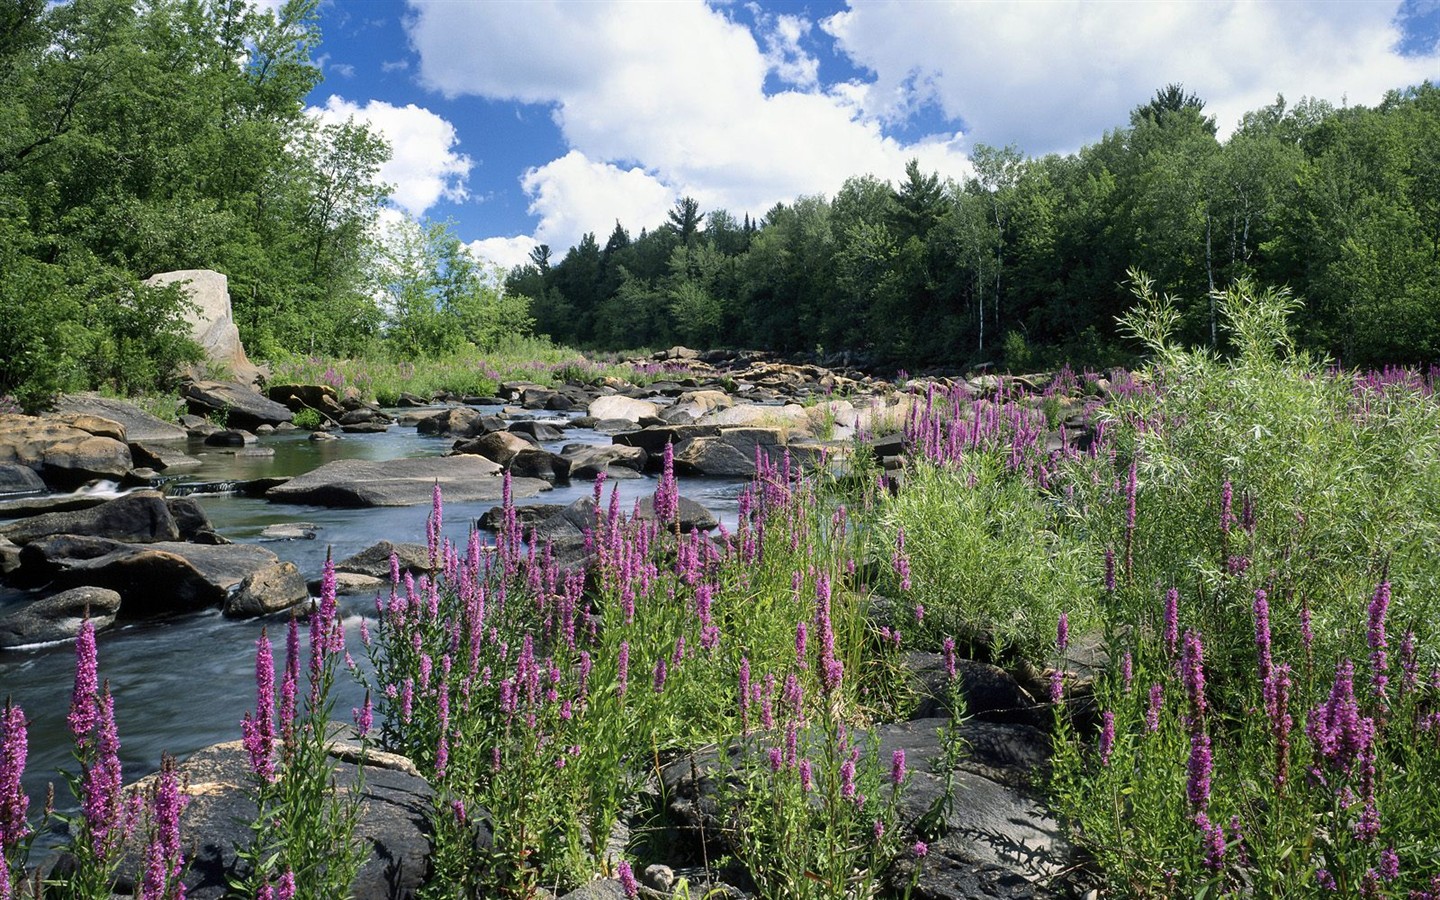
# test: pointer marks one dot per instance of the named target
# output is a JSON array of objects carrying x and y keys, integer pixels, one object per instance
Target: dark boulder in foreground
[
  {"x": 142, "y": 517},
  {"x": 58, "y": 618},
  {"x": 358, "y": 483},
  {"x": 393, "y": 829}
]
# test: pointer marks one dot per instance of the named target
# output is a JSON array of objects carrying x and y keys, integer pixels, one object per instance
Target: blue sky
[{"x": 526, "y": 121}]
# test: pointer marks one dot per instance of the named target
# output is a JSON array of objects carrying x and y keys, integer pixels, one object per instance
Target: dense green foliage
[
  {"x": 138, "y": 138},
  {"x": 1025, "y": 261}
]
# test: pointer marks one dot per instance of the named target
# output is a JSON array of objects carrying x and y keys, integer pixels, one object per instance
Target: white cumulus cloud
[
  {"x": 1052, "y": 75},
  {"x": 505, "y": 252},
  {"x": 425, "y": 164},
  {"x": 659, "y": 100}
]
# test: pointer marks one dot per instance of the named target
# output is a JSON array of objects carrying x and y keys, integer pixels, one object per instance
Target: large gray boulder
[
  {"x": 154, "y": 579},
  {"x": 240, "y": 406},
  {"x": 616, "y": 461},
  {"x": 617, "y": 406},
  {"x": 212, "y": 321},
  {"x": 270, "y": 590},
  {"x": 355, "y": 483},
  {"x": 730, "y": 453},
  {"x": 142, "y": 517},
  {"x": 375, "y": 560},
  {"x": 59, "y": 617},
  {"x": 17, "y": 480},
  {"x": 139, "y": 424},
  {"x": 459, "y": 422},
  {"x": 498, "y": 446}
]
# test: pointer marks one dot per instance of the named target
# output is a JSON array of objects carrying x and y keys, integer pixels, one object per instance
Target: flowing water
[{"x": 183, "y": 683}]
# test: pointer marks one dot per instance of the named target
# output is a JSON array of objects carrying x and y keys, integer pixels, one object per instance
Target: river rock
[
  {"x": 536, "y": 430},
  {"x": 141, "y": 517},
  {"x": 497, "y": 446},
  {"x": 230, "y": 437},
  {"x": 320, "y": 397},
  {"x": 528, "y": 516},
  {"x": 241, "y": 407},
  {"x": 617, "y": 406},
  {"x": 654, "y": 438},
  {"x": 616, "y": 461},
  {"x": 355, "y": 483},
  {"x": 64, "y": 456},
  {"x": 730, "y": 453},
  {"x": 393, "y": 827},
  {"x": 160, "y": 457},
  {"x": 533, "y": 462},
  {"x": 692, "y": 515},
  {"x": 138, "y": 424},
  {"x": 59, "y": 617},
  {"x": 791, "y": 417},
  {"x": 269, "y": 590},
  {"x": 16, "y": 479},
  {"x": 9, "y": 558},
  {"x": 990, "y": 693},
  {"x": 375, "y": 560},
  {"x": 162, "y": 578},
  {"x": 460, "y": 422}
]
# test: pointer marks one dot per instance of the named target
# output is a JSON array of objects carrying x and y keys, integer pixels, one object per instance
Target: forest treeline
[
  {"x": 138, "y": 138},
  {"x": 141, "y": 137},
  {"x": 1026, "y": 261}
]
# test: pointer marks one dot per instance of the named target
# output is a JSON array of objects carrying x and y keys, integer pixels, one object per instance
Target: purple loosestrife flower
[
  {"x": 1171, "y": 632},
  {"x": 364, "y": 717},
  {"x": 897, "y": 767},
  {"x": 84, "y": 709},
  {"x": 801, "y": 640},
  {"x": 1261, "y": 609},
  {"x": 900, "y": 560},
  {"x": 1152, "y": 712},
  {"x": 1062, "y": 633},
  {"x": 667, "y": 494},
  {"x": 102, "y": 800},
  {"x": 919, "y": 613},
  {"x": 920, "y": 849},
  {"x": 289, "y": 683},
  {"x": 1213, "y": 836},
  {"x": 1107, "y": 737},
  {"x": 1389, "y": 864},
  {"x": 806, "y": 776},
  {"x": 623, "y": 668},
  {"x": 286, "y": 889},
  {"x": 14, "y": 802},
  {"x": 163, "y": 858},
  {"x": 660, "y": 674},
  {"x": 1375, "y": 635},
  {"x": 259, "y": 732},
  {"x": 948, "y": 650},
  {"x": 1197, "y": 786},
  {"x": 1127, "y": 670},
  {"x": 777, "y": 759},
  {"x": 625, "y": 874},
  {"x": 1227, "y": 517},
  {"x": 1192, "y": 672},
  {"x": 847, "y": 779}
]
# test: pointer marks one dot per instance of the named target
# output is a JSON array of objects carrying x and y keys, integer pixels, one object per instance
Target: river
[{"x": 183, "y": 683}]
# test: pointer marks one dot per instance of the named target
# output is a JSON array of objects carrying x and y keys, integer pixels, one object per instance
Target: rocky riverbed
[{"x": 148, "y": 558}]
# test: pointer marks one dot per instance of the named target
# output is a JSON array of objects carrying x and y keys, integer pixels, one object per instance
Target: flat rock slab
[
  {"x": 141, "y": 517},
  {"x": 164, "y": 578},
  {"x": 139, "y": 424},
  {"x": 58, "y": 618},
  {"x": 357, "y": 483},
  {"x": 242, "y": 407}
]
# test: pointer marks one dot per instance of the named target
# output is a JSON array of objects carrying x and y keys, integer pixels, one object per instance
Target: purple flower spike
[
  {"x": 920, "y": 849},
  {"x": 83, "y": 699},
  {"x": 897, "y": 767},
  {"x": 1062, "y": 633},
  {"x": 1379, "y": 658},
  {"x": 14, "y": 802},
  {"x": 948, "y": 649},
  {"x": 626, "y": 875},
  {"x": 1172, "y": 621},
  {"x": 1197, "y": 787},
  {"x": 1107, "y": 737}
]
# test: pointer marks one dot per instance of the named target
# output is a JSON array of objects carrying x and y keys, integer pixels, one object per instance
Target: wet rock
[
  {"x": 537, "y": 430},
  {"x": 141, "y": 517},
  {"x": 529, "y": 515},
  {"x": 241, "y": 407},
  {"x": 9, "y": 558},
  {"x": 375, "y": 426},
  {"x": 542, "y": 464},
  {"x": 653, "y": 439},
  {"x": 160, "y": 457},
  {"x": 375, "y": 560},
  {"x": 692, "y": 515},
  {"x": 354, "y": 483},
  {"x": 191, "y": 520},
  {"x": 458, "y": 421},
  {"x": 59, "y": 617},
  {"x": 289, "y": 531},
  {"x": 163, "y": 578},
  {"x": 269, "y": 590},
  {"x": 17, "y": 479},
  {"x": 498, "y": 446},
  {"x": 616, "y": 461},
  {"x": 730, "y": 453},
  {"x": 138, "y": 424},
  {"x": 230, "y": 437}
]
